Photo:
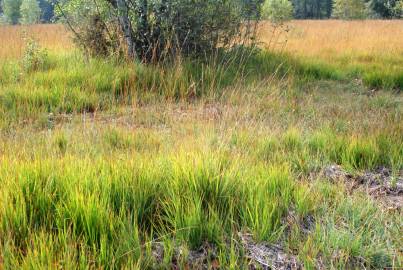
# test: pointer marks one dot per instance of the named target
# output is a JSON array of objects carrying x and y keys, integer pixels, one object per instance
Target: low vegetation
[
  {"x": 110, "y": 164},
  {"x": 366, "y": 50}
]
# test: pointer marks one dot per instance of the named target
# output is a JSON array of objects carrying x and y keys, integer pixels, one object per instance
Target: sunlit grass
[
  {"x": 103, "y": 162},
  {"x": 100, "y": 191},
  {"x": 370, "y": 50},
  {"x": 52, "y": 36}
]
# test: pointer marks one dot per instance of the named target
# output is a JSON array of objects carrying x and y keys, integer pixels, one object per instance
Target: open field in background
[
  {"x": 53, "y": 37},
  {"x": 107, "y": 165},
  {"x": 370, "y": 50},
  {"x": 308, "y": 38},
  {"x": 336, "y": 38}
]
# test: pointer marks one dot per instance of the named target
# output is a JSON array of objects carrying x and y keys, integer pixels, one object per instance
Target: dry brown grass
[
  {"x": 333, "y": 37},
  {"x": 308, "y": 38},
  {"x": 50, "y": 36}
]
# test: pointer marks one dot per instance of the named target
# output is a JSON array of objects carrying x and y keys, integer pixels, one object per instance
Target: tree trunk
[{"x": 125, "y": 24}]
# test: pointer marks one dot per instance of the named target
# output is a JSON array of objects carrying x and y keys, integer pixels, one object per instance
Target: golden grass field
[
  {"x": 335, "y": 37},
  {"x": 53, "y": 37},
  {"x": 307, "y": 38}
]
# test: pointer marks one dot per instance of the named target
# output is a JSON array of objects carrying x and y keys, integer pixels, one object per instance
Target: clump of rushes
[
  {"x": 35, "y": 58},
  {"x": 267, "y": 201},
  {"x": 117, "y": 139},
  {"x": 292, "y": 140},
  {"x": 111, "y": 209},
  {"x": 61, "y": 143},
  {"x": 100, "y": 206},
  {"x": 360, "y": 154}
]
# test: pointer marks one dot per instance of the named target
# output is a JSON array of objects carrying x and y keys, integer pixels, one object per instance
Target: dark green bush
[{"x": 153, "y": 29}]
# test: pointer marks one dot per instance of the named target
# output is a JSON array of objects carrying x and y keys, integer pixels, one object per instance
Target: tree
[
  {"x": 383, "y": 8},
  {"x": 153, "y": 29},
  {"x": 277, "y": 11},
  {"x": 312, "y": 9},
  {"x": 47, "y": 10},
  {"x": 11, "y": 9},
  {"x": 123, "y": 14},
  {"x": 398, "y": 10},
  {"x": 30, "y": 12},
  {"x": 349, "y": 9},
  {"x": 2, "y": 18},
  {"x": 329, "y": 8}
]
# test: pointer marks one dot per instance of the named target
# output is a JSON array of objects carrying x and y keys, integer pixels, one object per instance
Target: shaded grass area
[
  {"x": 68, "y": 83},
  {"x": 368, "y": 50},
  {"x": 376, "y": 72}
]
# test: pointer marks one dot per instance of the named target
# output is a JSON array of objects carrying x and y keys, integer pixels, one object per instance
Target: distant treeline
[
  {"x": 322, "y": 9},
  {"x": 26, "y": 11},
  {"x": 42, "y": 11}
]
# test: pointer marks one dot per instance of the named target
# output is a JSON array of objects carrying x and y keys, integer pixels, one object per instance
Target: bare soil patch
[{"x": 380, "y": 184}]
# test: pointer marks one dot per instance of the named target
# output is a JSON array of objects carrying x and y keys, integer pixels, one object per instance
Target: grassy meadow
[
  {"x": 368, "y": 50},
  {"x": 113, "y": 165}
]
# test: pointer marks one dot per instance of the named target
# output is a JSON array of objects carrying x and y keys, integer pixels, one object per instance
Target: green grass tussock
[
  {"x": 98, "y": 204},
  {"x": 102, "y": 200},
  {"x": 111, "y": 209}
]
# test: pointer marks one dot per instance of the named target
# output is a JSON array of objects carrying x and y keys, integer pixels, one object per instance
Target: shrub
[
  {"x": 277, "y": 11},
  {"x": 11, "y": 9},
  {"x": 30, "y": 12},
  {"x": 398, "y": 9},
  {"x": 35, "y": 58},
  {"x": 94, "y": 37},
  {"x": 349, "y": 9},
  {"x": 152, "y": 29}
]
